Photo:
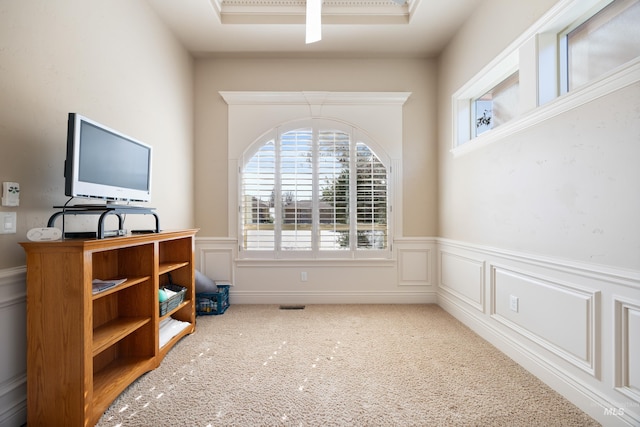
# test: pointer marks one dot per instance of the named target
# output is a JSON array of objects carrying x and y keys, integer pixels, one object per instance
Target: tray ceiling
[
  {"x": 333, "y": 11},
  {"x": 350, "y": 28}
]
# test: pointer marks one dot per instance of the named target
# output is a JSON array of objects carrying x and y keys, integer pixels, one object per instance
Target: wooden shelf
[
  {"x": 109, "y": 382},
  {"x": 112, "y": 332},
  {"x": 167, "y": 267},
  {"x": 165, "y": 348},
  {"x": 178, "y": 308},
  {"x": 84, "y": 349},
  {"x": 129, "y": 282}
]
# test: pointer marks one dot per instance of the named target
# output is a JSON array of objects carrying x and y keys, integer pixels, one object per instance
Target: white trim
[
  {"x": 601, "y": 393},
  {"x": 333, "y": 12},
  {"x": 622, "y": 338},
  {"x": 314, "y": 98},
  {"x": 593, "y": 391},
  {"x": 368, "y": 297},
  {"x": 260, "y": 281},
  {"x": 539, "y": 40},
  {"x": 378, "y": 114},
  {"x": 465, "y": 264},
  {"x": 590, "y": 363},
  {"x": 8, "y": 275},
  {"x": 626, "y": 75},
  {"x": 13, "y": 397},
  {"x": 314, "y": 262},
  {"x": 314, "y": 125},
  {"x": 618, "y": 276},
  {"x": 588, "y": 398}
]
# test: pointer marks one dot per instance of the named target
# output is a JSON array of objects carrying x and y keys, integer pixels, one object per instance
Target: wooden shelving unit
[{"x": 84, "y": 349}]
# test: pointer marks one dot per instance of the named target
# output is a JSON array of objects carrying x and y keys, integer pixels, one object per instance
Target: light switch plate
[{"x": 7, "y": 222}]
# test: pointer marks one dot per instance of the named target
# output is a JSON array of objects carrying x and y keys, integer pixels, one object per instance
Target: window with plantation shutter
[
  {"x": 371, "y": 200},
  {"x": 316, "y": 191},
  {"x": 296, "y": 190},
  {"x": 257, "y": 198}
]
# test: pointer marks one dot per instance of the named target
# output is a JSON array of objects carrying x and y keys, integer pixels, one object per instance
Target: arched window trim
[{"x": 356, "y": 136}]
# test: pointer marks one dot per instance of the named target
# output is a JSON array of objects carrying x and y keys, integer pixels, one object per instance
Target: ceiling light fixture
[{"x": 314, "y": 21}]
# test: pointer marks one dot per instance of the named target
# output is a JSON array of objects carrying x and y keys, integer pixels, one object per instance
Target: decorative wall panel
[
  {"x": 627, "y": 349},
  {"x": 463, "y": 277},
  {"x": 558, "y": 316},
  {"x": 13, "y": 352}
]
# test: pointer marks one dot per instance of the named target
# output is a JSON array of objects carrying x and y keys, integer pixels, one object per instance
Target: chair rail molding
[
  {"x": 409, "y": 276},
  {"x": 572, "y": 324}
]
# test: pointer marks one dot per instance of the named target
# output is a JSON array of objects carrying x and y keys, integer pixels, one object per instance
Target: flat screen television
[{"x": 105, "y": 164}]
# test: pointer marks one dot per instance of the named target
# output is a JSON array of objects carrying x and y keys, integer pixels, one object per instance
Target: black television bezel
[{"x": 74, "y": 187}]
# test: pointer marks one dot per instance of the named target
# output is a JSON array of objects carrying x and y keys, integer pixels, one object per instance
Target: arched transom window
[{"x": 314, "y": 190}]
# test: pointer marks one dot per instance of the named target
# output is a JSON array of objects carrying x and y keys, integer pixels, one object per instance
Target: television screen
[{"x": 105, "y": 164}]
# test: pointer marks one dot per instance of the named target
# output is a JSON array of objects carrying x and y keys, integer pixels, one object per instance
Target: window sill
[{"x": 317, "y": 262}]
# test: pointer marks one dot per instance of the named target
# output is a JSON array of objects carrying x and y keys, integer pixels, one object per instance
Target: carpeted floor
[{"x": 338, "y": 365}]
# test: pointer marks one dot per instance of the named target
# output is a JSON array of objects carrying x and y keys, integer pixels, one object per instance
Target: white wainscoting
[
  {"x": 627, "y": 346},
  {"x": 13, "y": 352},
  {"x": 408, "y": 277},
  {"x": 558, "y": 316},
  {"x": 576, "y": 326},
  {"x": 215, "y": 258},
  {"x": 416, "y": 265},
  {"x": 462, "y": 276}
]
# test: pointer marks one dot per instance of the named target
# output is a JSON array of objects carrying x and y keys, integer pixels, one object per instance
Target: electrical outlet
[
  {"x": 513, "y": 303},
  {"x": 303, "y": 276}
]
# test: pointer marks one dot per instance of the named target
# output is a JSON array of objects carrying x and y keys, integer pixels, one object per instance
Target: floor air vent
[{"x": 292, "y": 307}]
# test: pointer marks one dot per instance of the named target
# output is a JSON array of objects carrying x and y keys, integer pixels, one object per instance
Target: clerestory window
[
  {"x": 314, "y": 191},
  {"x": 498, "y": 105},
  {"x": 603, "y": 42},
  {"x": 576, "y": 52}
]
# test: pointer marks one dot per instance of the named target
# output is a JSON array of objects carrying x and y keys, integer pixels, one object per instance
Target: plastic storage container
[{"x": 213, "y": 302}]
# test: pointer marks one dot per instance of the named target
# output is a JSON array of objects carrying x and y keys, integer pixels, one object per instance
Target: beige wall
[
  {"x": 231, "y": 74},
  {"x": 567, "y": 187},
  {"x": 113, "y": 61}
]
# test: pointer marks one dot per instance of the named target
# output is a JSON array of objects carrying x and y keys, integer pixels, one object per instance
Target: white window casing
[
  {"x": 373, "y": 118},
  {"x": 538, "y": 56}
]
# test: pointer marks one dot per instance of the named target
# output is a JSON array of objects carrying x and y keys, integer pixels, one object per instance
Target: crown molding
[
  {"x": 314, "y": 98},
  {"x": 333, "y": 11}
]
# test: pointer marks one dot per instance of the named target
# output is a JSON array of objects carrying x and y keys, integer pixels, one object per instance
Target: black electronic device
[
  {"x": 105, "y": 164},
  {"x": 80, "y": 234}
]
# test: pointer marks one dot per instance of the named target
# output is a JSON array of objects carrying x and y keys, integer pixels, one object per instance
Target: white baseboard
[
  {"x": 408, "y": 277},
  {"x": 267, "y": 297},
  {"x": 470, "y": 289},
  {"x": 469, "y": 282}
]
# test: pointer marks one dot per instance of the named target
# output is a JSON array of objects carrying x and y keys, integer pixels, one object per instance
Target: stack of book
[{"x": 102, "y": 285}]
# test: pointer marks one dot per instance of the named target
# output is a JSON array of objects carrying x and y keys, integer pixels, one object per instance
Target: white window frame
[
  {"x": 536, "y": 55},
  {"x": 252, "y": 114},
  {"x": 355, "y": 136}
]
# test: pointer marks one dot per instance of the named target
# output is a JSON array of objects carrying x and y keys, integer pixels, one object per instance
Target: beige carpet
[{"x": 338, "y": 365}]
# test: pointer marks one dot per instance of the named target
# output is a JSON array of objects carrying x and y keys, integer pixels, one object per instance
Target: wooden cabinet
[{"x": 84, "y": 349}]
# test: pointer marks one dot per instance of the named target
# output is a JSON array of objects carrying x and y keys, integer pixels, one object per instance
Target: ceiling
[{"x": 351, "y": 28}]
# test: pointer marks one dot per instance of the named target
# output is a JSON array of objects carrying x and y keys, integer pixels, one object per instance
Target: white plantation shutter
[
  {"x": 333, "y": 170},
  {"x": 314, "y": 191},
  {"x": 258, "y": 184},
  {"x": 371, "y": 198},
  {"x": 296, "y": 189}
]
